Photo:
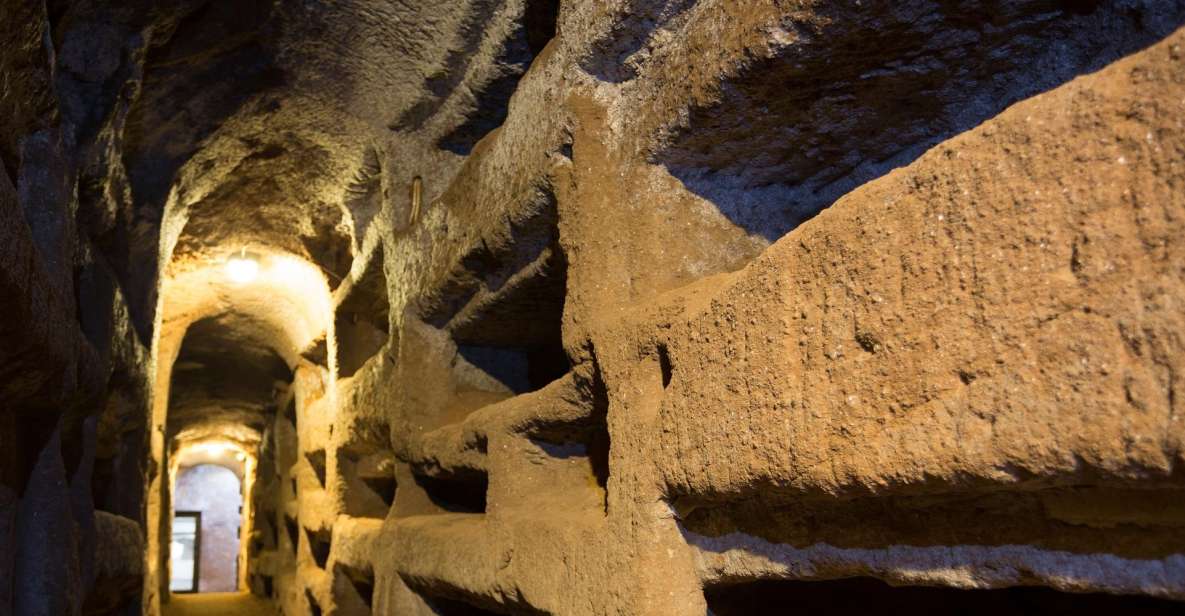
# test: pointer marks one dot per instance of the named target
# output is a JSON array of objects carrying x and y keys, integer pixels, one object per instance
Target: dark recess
[
  {"x": 539, "y": 19},
  {"x": 290, "y": 411},
  {"x": 664, "y": 365},
  {"x": 504, "y": 302},
  {"x": 265, "y": 585},
  {"x": 316, "y": 459},
  {"x": 452, "y": 607},
  {"x": 272, "y": 529},
  {"x": 359, "y": 337},
  {"x": 588, "y": 438},
  {"x": 383, "y": 487},
  {"x": 22, "y": 438},
  {"x": 362, "y": 319},
  {"x": 465, "y": 494},
  {"x": 780, "y": 143},
  {"x": 612, "y": 57},
  {"x": 368, "y": 469},
  {"x": 314, "y": 607},
  {"x": 522, "y": 369},
  {"x": 868, "y": 595},
  {"x": 493, "y": 97},
  {"x": 293, "y": 530},
  {"x": 361, "y": 580},
  {"x": 320, "y": 542}
]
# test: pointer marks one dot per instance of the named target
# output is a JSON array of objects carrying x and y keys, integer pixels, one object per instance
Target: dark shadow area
[
  {"x": 383, "y": 487},
  {"x": 364, "y": 196},
  {"x": 293, "y": 532},
  {"x": 266, "y": 537},
  {"x": 360, "y": 580},
  {"x": 664, "y": 365},
  {"x": 586, "y": 440},
  {"x": 314, "y": 607},
  {"x": 615, "y": 57},
  {"x": 362, "y": 321},
  {"x": 491, "y": 91},
  {"x": 493, "y": 103},
  {"x": 454, "y": 602},
  {"x": 535, "y": 28},
  {"x": 290, "y": 411},
  {"x": 466, "y": 494},
  {"x": 869, "y": 596},
  {"x": 263, "y": 586},
  {"x": 539, "y": 17},
  {"x": 452, "y": 607},
  {"x": 359, "y": 337},
  {"x": 22, "y": 438},
  {"x": 869, "y": 87},
  {"x": 366, "y": 467},
  {"x": 316, "y": 460},
  {"x": 1140, "y": 524},
  {"x": 521, "y": 369},
  {"x": 320, "y": 543},
  {"x": 504, "y": 302}
]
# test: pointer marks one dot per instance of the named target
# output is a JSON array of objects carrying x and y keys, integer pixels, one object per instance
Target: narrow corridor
[{"x": 592, "y": 308}]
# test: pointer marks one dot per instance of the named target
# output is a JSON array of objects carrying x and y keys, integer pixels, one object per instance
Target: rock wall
[
  {"x": 73, "y": 347},
  {"x": 616, "y": 307},
  {"x": 748, "y": 305}
]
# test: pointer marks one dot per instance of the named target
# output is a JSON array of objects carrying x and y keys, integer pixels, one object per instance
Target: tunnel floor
[{"x": 220, "y": 604}]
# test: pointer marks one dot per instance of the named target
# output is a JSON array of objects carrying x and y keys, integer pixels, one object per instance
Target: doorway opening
[
  {"x": 183, "y": 551},
  {"x": 207, "y": 520}
]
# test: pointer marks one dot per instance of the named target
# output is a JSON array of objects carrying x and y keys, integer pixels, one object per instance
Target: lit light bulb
[{"x": 241, "y": 269}]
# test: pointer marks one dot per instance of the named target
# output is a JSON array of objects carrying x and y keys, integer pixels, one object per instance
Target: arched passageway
[{"x": 570, "y": 307}]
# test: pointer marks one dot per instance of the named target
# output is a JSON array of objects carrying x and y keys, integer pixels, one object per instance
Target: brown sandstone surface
[{"x": 617, "y": 307}]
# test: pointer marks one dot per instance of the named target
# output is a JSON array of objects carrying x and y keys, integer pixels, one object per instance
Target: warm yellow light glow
[
  {"x": 289, "y": 270},
  {"x": 288, "y": 294},
  {"x": 213, "y": 449},
  {"x": 211, "y": 452},
  {"x": 241, "y": 269}
]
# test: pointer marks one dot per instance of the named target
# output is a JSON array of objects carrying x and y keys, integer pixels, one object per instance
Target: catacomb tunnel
[{"x": 614, "y": 307}]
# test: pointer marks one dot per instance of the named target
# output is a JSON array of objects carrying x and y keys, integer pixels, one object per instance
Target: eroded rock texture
[
  {"x": 618, "y": 307},
  {"x": 73, "y": 347}
]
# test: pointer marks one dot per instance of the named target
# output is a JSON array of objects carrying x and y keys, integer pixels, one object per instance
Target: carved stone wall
[
  {"x": 747, "y": 306},
  {"x": 616, "y": 307}
]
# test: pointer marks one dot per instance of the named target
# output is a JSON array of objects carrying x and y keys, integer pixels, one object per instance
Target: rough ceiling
[{"x": 281, "y": 128}]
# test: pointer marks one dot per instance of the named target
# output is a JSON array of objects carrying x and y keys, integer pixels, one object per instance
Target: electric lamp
[{"x": 242, "y": 268}]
